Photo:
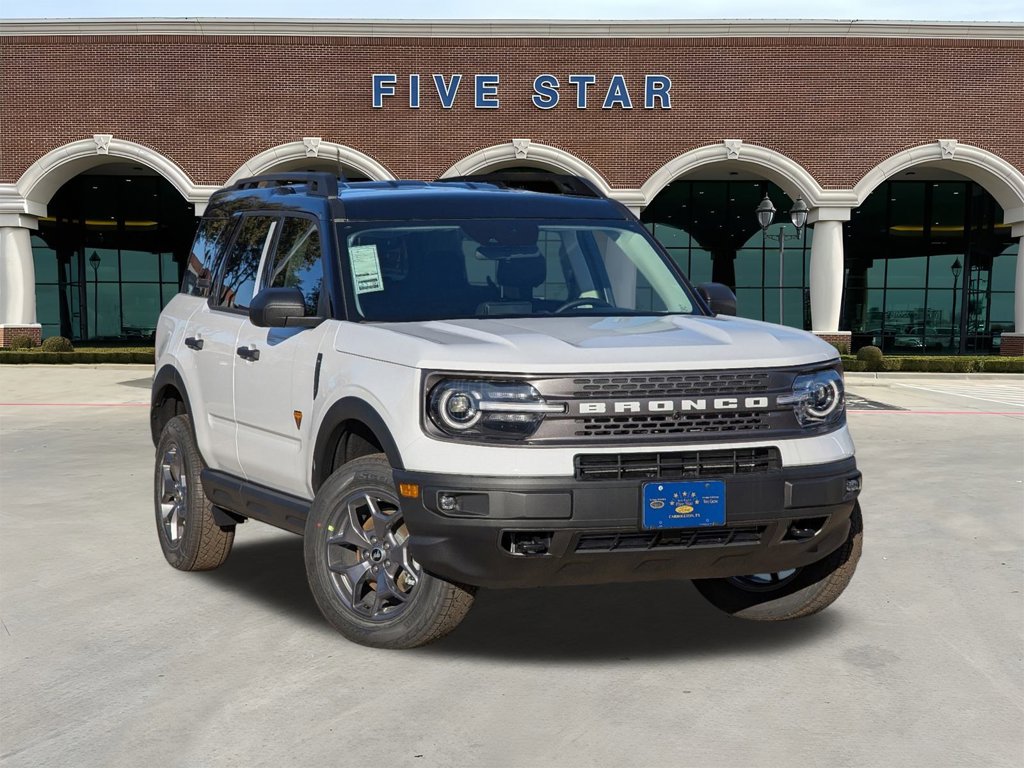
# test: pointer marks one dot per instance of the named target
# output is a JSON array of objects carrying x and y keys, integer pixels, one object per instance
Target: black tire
[
  {"x": 806, "y": 591},
  {"x": 190, "y": 538},
  {"x": 360, "y": 570}
]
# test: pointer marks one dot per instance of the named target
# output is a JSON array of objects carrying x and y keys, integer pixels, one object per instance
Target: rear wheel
[
  {"x": 364, "y": 577},
  {"x": 189, "y": 536},
  {"x": 793, "y": 593}
]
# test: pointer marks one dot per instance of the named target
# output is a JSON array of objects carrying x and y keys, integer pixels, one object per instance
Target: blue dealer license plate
[{"x": 693, "y": 504}]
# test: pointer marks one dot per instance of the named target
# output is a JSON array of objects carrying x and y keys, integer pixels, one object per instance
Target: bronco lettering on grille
[{"x": 699, "y": 405}]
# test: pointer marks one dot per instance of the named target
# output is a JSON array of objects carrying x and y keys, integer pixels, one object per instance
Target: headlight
[
  {"x": 511, "y": 409},
  {"x": 817, "y": 398}
]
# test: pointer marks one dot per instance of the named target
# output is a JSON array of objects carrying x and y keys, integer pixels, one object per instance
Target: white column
[
  {"x": 827, "y": 268},
  {"x": 17, "y": 277}
]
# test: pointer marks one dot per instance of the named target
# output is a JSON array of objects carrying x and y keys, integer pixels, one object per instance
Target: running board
[{"x": 280, "y": 510}]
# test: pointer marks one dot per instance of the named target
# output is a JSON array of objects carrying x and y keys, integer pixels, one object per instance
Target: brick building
[{"x": 905, "y": 140}]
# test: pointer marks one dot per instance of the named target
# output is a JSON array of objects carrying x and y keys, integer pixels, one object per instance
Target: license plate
[{"x": 694, "y": 504}]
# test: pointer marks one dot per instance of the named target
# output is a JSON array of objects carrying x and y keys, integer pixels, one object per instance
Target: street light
[
  {"x": 955, "y": 268},
  {"x": 94, "y": 262},
  {"x": 765, "y": 216}
]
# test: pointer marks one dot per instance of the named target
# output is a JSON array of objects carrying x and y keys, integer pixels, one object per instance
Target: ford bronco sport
[{"x": 461, "y": 384}]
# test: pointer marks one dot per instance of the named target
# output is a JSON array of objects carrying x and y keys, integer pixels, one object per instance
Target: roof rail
[
  {"x": 317, "y": 182},
  {"x": 535, "y": 181}
]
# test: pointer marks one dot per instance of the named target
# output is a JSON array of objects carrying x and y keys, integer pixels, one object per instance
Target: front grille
[
  {"x": 672, "y": 384},
  {"x": 673, "y": 539},
  {"x": 675, "y": 465},
  {"x": 672, "y": 423}
]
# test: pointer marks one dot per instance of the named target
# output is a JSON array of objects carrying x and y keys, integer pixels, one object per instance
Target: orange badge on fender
[{"x": 298, "y": 419}]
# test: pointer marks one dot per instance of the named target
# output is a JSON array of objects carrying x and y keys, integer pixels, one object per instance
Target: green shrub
[
  {"x": 891, "y": 364},
  {"x": 853, "y": 365},
  {"x": 1003, "y": 365},
  {"x": 842, "y": 347},
  {"x": 22, "y": 342},
  {"x": 870, "y": 354},
  {"x": 57, "y": 344},
  {"x": 21, "y": 357}
]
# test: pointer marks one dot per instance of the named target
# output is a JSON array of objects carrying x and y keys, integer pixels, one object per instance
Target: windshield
[{"x": 507, "y": 268}]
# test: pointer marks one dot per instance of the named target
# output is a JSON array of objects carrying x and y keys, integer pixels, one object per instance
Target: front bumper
[{"x": 526, "y": 532}]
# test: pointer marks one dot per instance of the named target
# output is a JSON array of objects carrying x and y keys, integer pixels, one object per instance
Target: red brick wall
[{"x": 838, "y": 106}]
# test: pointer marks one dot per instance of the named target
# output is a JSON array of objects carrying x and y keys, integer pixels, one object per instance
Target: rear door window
[{"x": 241, "y": 267}]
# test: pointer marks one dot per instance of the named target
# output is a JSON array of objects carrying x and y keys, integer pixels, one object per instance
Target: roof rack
[
  {"x": 535, "y": 181},
  {"x": 317, "y": 182}
]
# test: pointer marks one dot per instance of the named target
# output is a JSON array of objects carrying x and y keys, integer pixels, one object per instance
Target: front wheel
[
  {"x": 793, "y": 593},
  {"x": 190, "y": 537},
  {"x": 362, "y": 574}
]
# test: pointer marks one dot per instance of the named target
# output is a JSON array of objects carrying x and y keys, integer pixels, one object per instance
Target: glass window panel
[
  {"x": 1001, "y": 312},
  {"x": 239, "y": 281},
  {"x": 793, "y": 268},
  {"x": 298, "y": 263},
  {"x": 681, "y": 256},
  {"x": 140, "y": 266},
  {"x": 45, "y": 259},
  {"x": 749, "y": 265},
  {"x": 748, "y": 303},
  {"x": 50, "y": 329},
  {"x": 793, "y": 305},
  {"x": 906, "y": 209},
  {"x": 104, "y": 267},
  {"x": 949, "y": 203},
  {"x": 907, "y": 272},
  {"x": 671, "y": 237},
  {"x": 940, "y": 274},
  {"x": 48, "y": 304},
  {"x": 771, "y": 305},
  {"x": 140, "y": 308},
  {"x": 169, "y": 268},
  {"x": 1004, "y": 268},
  {"x": 105, "y": 310},
  {"x": 700, "y": 266},
  {"x": 168, "y": 292}
]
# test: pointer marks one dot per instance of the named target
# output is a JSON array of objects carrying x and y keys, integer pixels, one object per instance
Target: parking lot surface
[{"x": 108, "y": 657}]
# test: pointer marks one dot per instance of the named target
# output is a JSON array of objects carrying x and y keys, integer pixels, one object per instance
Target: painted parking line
[{"x": 1003, "y": 394}]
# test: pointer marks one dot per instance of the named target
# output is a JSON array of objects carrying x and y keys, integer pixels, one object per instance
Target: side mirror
[
  {"x": 280, "y": 308},
  {"x": 719, "y": 297}
]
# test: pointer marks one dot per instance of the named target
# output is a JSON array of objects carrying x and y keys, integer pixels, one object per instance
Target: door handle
[
  {"x": 193, "y": 343},
  {"x": 248, "y": 353}
]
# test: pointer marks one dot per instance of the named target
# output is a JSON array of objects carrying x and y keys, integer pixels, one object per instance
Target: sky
[{"x": 906, "y": 10}]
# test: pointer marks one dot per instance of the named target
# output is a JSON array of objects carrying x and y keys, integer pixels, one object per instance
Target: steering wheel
[{"x": 583, "y": 302}]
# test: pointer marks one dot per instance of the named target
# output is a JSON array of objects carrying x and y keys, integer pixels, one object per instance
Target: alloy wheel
[{"x": 173, "y": 495}]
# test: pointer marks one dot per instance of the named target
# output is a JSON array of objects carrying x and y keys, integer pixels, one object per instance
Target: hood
[{"x": 582, "y": 344}]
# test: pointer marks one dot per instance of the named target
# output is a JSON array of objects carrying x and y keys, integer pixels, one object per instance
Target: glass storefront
[
  {"x": 929, "y": 269},
  {"x": 109, "y": 256},
  {"x": 710, "y": 229}
]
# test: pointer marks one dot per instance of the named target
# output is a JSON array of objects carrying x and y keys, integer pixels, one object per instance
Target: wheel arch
[
  {"x": 168, "y": 388},
  {"x": 354, "y": 427}
]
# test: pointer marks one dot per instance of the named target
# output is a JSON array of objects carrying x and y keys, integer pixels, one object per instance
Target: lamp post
[
  {"x": 94, "y": 262},
  {"x": 765, "y": 216},
  {"x": 955, "y": 268}
]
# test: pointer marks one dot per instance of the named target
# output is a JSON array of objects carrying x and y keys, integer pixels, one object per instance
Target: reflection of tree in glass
[
  {"x": 298, "y": 261},
  {"x": 244, "y": 260}
]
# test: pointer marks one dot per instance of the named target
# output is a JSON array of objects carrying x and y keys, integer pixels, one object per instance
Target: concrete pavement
[{"x": 108, "y": 657}]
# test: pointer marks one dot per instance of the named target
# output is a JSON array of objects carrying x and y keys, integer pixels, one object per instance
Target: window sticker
[{"x": 366, "y": 268}]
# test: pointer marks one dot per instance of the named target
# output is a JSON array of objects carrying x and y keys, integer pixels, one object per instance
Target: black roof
[{"x": 466, "y": 198}]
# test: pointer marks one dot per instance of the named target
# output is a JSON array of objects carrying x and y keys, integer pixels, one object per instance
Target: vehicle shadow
[{"x": 612, "y": 622}]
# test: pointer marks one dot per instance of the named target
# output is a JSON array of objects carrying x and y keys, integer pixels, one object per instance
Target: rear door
[
  {"x": 213, "y": 335},
  {"x": 274, "y": 380}
]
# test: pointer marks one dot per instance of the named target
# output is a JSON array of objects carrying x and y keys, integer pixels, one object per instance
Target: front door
[{"x": 274, "y": 378}]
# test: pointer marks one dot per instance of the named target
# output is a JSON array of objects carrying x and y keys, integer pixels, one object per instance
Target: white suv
[{"x": 464, "y": 384}]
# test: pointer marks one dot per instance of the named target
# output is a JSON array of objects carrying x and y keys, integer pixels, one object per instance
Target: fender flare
[
  {"x": 166, "y": 376},
  {"x": 350, "y": 409}
]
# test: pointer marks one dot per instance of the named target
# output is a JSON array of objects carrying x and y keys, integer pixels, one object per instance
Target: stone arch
[
  {"x": 788, "y": 174},
  {"x": 1000, "y": 179},
  {"x": 523, "y": 152},
  {"x": 45, "y": 176},
  {"x": 292, "y": 154}
]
